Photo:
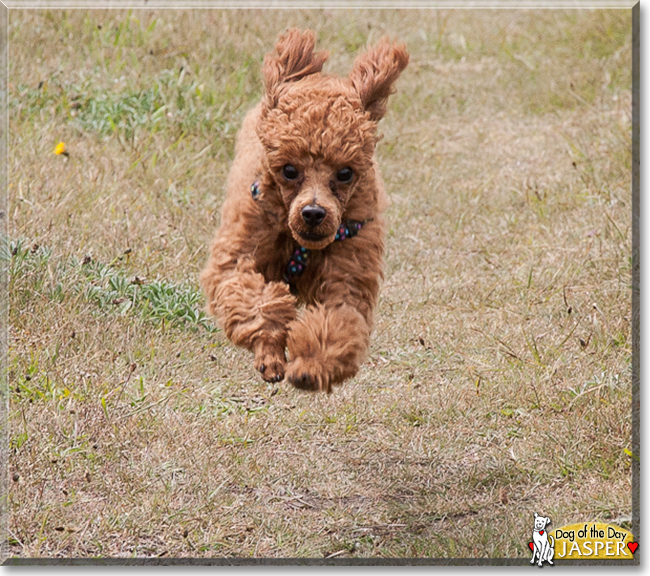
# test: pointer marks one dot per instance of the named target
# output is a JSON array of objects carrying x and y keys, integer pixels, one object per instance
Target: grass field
[{"x": 498, "y": 382}]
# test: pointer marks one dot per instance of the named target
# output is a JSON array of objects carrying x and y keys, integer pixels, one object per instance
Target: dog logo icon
[{"x": 543, "y": 544}]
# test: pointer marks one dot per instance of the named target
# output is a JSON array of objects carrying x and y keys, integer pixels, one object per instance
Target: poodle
[{"x": 302, "y": 224}]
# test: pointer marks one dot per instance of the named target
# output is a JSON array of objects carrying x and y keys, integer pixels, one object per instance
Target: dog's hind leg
[
  {"x": 550, "y": 551},
  {"x": 254, "y": 314}
]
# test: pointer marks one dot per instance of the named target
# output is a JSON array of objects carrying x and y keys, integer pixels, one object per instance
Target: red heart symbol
[
  {"x": 633, "y": 546},
  {"x": 531, "y": 545},
  {"x": 541, "y": 532}
]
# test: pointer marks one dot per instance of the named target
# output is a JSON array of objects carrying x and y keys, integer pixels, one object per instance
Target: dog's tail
[{"x": 552, "y": 541}]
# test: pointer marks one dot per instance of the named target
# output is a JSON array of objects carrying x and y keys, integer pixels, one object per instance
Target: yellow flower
[{"x": 61, "y": 149}]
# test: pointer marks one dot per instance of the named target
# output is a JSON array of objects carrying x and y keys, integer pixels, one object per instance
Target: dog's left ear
[
  {"x": 374, "y": 73},
  {"x": 548, "y": 520}
]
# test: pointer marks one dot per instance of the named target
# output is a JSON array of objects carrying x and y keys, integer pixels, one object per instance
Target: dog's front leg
[
  {"x": 253, "y": 313},
  {"x": 535, "y": 552},
  {"x": 326, "y": 346},
  {"x": 328, "y": 342},
  {"x": 543, "y": 553}
]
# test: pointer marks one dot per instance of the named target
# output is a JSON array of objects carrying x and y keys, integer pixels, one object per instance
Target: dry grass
[{"x": 498, "y": 382}]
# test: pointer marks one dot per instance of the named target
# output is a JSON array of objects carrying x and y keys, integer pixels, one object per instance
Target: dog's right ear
[{"x": 293, "y": 59}]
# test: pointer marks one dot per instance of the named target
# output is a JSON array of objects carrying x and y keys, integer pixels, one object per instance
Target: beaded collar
[{"x": 298, "y": 261}]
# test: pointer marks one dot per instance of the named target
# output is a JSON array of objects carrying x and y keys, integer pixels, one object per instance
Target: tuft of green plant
[
  {"x": 170, "y": 101},
  {"x": 105, "y": 285}
]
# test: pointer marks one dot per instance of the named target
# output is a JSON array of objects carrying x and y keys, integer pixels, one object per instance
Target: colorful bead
[{"x": 255, "y": 190}]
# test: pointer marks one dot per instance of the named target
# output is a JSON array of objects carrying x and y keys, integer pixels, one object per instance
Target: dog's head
[
  {"x": 541, "y": 521},
  {"x": 319, "y": 132}
]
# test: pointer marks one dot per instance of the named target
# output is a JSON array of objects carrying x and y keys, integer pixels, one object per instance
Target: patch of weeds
[
  {"x": 159, "y": 300},
  {"x": 42, "y": 388},
  {"x": 168, "y": 101},
  {"x": 127, "y": 32},
  {"x": 32, "y": 273},
  {"x": 108, "y": 113},
  {"x": 28, "y": 260},
  {"x": 17, "y": 441},
  {"x": 235, "y": 441},
  {"x": 227, "y": 406},
  {"x": 416, "y": 418},
  {"x": 601, "y": 383},
  {"x": 515, "y": 431},
  {"x": 27, "y": 102},
  {"x": 346, "y": 418}
]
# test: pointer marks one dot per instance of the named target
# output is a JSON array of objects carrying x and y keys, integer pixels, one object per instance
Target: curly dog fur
[{"x": 308, "y": 150}]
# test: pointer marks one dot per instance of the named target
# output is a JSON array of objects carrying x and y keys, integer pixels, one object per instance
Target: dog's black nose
[{"x": 313, "y": 215}]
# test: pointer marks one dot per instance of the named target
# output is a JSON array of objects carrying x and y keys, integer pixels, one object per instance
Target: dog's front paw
[
  {"x": 269, "y": 362},
  {"x": 308, "y": 374},
  {"x": 271, "y": 369}
]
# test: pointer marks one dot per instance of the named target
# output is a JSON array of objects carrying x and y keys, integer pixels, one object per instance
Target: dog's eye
[
  {"x": 344, "y": 175},
  {"x": 290, "y": 172}
]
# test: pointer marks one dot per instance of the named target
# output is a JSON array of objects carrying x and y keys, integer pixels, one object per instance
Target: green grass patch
[
  {"x": 170, "y": 101},
  {"x": 34, "y": 273}
]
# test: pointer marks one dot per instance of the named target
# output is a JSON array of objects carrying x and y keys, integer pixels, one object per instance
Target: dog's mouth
[
  {"x": 313, "y": 240},
  {"x": 311, "y": 237}
]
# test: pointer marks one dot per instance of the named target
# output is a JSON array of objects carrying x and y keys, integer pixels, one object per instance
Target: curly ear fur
[
  {"x": 293, "y": 59},
  {"x": 374, "y": 73}
]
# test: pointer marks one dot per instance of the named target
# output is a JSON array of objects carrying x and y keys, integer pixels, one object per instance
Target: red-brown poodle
[{"x": 302, "y": 219}]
